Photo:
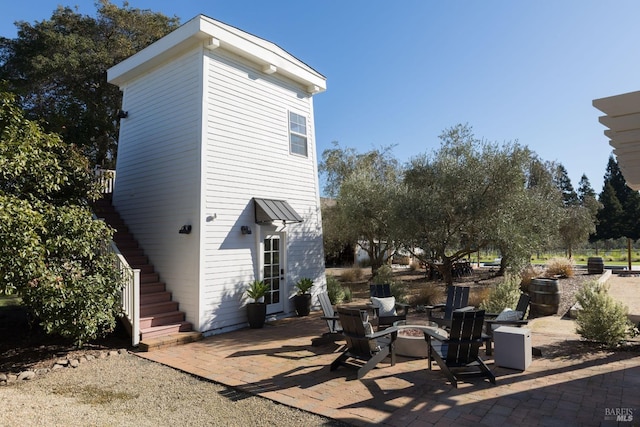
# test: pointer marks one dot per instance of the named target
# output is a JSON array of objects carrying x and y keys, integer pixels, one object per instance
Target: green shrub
[
  {"x": 560, "y": 267},
  {"x": 347, "y": 294},
  {"x": 335, "y": 290},
  {"x": 399, "y": 291},
  {"x": 383, "y": 275},
  {"x": 505, "y": 294},
  {"x": 601, "y": 319}
]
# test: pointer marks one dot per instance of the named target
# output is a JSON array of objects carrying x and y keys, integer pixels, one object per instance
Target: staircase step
[
  {"x": 157, "y": 331},
  {"x": 121, "y": 243},
  {"x": 133, "y": 252},
  {"x": 161, "y": 319},
  {"x": 158, "y": 308},
  {"x": 136, "y": 259},
  {"x": 161, "y": 324},
  {"x": 144, "y": 268},
  {"x": 154, "y": 297},
  {"x": 151, "y": 343},
  {"x": 152, "y": 288},
  {"x": 149, "y": 277}
]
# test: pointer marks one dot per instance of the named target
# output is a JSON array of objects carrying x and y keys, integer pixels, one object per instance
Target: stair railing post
[{"x": 135, "y": 298}]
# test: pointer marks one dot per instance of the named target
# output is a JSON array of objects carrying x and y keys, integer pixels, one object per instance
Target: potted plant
[
  {"x": 302, "y": 299},
  {"x": 257, "y": 310}
]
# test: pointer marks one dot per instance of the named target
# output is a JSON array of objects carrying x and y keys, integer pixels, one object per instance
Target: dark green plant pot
[
  {"x": 302, "y": 304},
  {"x": 256, "y": 314}
]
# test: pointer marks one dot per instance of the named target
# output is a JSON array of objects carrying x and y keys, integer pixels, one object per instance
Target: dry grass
[
  {"x": 427, "y": 295},
  {"x": 528, "y": 274},
  {"x": 479, "y": 294},
  {"x": 562, "y": 267},
  {"x": 352, "y": 275}
]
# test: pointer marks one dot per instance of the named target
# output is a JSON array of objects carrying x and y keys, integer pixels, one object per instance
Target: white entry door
[{"x": 273, "y": 271}]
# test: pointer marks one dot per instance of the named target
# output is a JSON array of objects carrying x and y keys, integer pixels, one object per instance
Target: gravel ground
[{"x": 101, "y": 392}]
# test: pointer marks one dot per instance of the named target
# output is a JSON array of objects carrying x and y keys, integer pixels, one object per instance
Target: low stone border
[{"x": 62, "y": 363}]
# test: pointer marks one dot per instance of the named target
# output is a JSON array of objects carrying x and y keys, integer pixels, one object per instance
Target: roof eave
[{"x": 212, "y": 34}]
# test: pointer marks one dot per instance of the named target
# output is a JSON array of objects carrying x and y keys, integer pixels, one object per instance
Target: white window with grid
[{"x": 297, "y": 134}]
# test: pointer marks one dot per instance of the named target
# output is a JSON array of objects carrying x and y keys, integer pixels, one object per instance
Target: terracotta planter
[
  {"x": 256, "y": 314},
  {"x": 302, "y": 304}
]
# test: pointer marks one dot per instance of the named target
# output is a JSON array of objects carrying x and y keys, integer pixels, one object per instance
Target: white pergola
[{"x": 623, "y": 120}]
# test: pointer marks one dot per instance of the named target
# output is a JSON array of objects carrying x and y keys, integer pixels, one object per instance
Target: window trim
[{"x": 293, "y": 133}]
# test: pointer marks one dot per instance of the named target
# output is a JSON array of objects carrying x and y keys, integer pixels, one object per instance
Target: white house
[{"x": 217, "y": 170}]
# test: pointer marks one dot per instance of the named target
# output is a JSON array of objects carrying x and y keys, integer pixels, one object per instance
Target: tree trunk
[
  {"x": 445, "y": 270},
  {"x": 629, "y": 252}
]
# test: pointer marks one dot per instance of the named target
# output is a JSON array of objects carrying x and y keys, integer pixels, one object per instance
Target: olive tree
[
  {"x": 53, "y": 253},
  {"x": 365, "y": 187},
  {"x": 468, "y": 195}
]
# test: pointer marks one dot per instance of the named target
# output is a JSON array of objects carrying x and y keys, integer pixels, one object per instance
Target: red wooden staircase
[{"x": 161, "y": 322}]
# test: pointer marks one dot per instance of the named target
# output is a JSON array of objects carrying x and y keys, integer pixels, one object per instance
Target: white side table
[{"x": 512, "y": 347}]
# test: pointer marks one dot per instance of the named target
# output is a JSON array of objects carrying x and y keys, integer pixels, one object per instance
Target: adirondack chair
[
  {"x": 367, "y": 347},
  {"x": 515, "y": 317},
  {"x": 457, "y": 353},
  {"x": 386, "y": 311},
  {"x": 457, "y": 299},
  {"x": 333, "y": 322}
]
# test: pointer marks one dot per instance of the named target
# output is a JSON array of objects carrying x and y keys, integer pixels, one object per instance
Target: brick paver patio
[{"x": 279, "y": 363}]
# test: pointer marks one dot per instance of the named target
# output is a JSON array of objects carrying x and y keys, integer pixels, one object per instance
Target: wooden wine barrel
[
  {"x": 545, "y": 297},
  {"x": 595, "y": 265}
]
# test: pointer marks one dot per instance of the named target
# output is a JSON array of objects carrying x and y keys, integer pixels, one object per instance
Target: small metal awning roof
[{"x": 268, "y": 210}]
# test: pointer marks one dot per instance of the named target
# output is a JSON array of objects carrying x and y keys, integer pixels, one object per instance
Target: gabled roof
[{"x": 213, "y": 34}]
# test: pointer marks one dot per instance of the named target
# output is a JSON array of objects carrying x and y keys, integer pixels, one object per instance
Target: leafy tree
[
  {"x": 466, "y": 196},
  {"x": 335, "y": 239},
  {"x": 366, "y": 186},
  {"x": 580, "y": 210},
  {"x": 620, "y": 213},
  {"x": 576, "y": 226},
  {"x": 53, "y": 253},
  {"x": 532, "y": 216},
  {"x": 58, "y": 69}
]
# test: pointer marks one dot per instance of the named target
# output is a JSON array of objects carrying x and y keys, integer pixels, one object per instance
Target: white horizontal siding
[
  {"x": 158, "y": 170},
  {"x": 247, "y": 155}
]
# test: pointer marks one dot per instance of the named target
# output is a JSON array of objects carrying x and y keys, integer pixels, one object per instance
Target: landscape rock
[
  {"x": 26, "y": 375},
  {"x": 74, "y": 363}
]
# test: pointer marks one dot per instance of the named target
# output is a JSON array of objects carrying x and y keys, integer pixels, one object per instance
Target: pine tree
[{"x": 562, "y": 181}]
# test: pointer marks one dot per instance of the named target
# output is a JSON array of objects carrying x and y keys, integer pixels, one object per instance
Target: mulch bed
[{"x": 25, "y": 347}]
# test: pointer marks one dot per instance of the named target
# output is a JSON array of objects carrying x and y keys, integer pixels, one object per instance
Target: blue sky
[{"x": 399, "y": 73}]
